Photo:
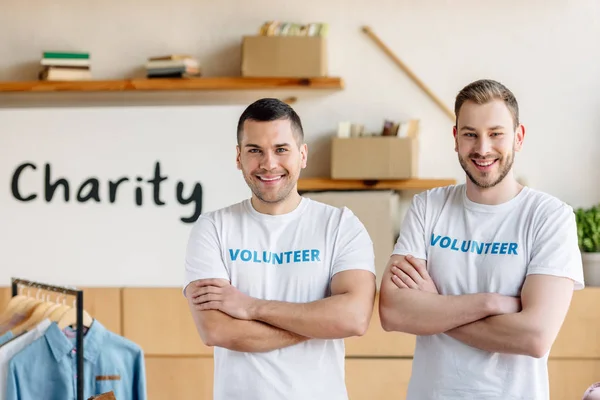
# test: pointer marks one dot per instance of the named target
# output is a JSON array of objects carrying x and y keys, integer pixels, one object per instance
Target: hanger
[
  {"x": 14, "y": 303},
  {"x": 12, "y": 306},
  {"x": 23, "y": 307},
  {"x": 70, "y": 318},
  {"x": 37, "y": 315},
  {"x": 56, "y": 313}
]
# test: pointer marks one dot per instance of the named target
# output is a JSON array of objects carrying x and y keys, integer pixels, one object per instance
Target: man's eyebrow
[
  {"x": 276, "y": 145},
  {"x": 467, "y": 128}
]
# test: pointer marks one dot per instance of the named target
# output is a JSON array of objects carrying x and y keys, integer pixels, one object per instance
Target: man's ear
[
  {"x": 519, "y": 137},
  {"x": 455, "y": 133},
  {"x": 238, "y": 161},
  {"x": 303, "y": 155}
]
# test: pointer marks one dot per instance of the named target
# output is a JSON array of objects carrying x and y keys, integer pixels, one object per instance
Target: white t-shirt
[
  {"x": 474, "y": 248},
  {"x": 290, "y": 257}
]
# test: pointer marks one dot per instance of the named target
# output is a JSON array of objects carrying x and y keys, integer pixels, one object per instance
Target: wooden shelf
[
  {"x": 324, "y": 184},
  {"x": 208, "y": 83}
]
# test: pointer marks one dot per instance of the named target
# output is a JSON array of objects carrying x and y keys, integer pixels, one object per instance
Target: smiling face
[
  {"x": 486, "y": 141},
  {"x": 271, "y": 159}
]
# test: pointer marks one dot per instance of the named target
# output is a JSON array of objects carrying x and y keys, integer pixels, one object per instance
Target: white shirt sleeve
[
  {"x": 203, "y": 259},
  {"x": 354, "y": 248},
  {"x": 555, "y": 250},
  {"x": 10, "y": 349},
  {"x": 412, "y": 238}
]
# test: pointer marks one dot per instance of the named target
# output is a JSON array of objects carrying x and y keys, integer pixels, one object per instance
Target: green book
[{"x": 61, "y": 54}]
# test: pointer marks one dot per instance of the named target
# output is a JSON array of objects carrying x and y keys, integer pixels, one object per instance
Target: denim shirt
[
  {"x": 47, "y": 368},
  {"x": 6, "y": 337}
]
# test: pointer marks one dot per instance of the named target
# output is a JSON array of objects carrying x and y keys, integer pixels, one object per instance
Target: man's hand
[
  {"x": 217, "y": 294},
  {"x": 411, "y": 273}
]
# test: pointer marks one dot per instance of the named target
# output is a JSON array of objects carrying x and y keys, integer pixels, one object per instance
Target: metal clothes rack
[{"x": 16, "y": 282}]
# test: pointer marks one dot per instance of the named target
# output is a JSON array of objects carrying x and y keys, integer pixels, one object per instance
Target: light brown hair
[{"x": 484, "y": 91}]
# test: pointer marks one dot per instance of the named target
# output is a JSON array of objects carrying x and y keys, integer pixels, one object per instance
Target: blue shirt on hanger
[
  {"x": 47, "y": 368},
  {"x": 6, "y": 337}
]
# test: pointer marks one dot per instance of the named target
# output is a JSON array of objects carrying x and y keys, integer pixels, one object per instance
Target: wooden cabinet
[
  {"x": 179, "y": 378},
  {"x": 377, "y": 342},
  {"x": 569, "y": 379},
  {"x": 159, "y": 320},
  {"x": 579, "y": 336},
  {"x": 374, "y": 379}
]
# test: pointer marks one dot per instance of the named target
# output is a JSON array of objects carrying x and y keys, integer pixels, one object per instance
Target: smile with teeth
[
  {"x": 270, "y": 179},
  {"x": 486, "y": 163}
]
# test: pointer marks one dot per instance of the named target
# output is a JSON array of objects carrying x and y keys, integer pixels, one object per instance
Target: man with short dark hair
[{"x": 277, "y": 281}]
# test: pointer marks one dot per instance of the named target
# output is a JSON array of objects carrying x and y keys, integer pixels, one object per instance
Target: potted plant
[{"x": 588, "y": 232}]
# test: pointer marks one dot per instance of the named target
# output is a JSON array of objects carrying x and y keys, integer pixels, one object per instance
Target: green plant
[{"x": 588, "y": 228}]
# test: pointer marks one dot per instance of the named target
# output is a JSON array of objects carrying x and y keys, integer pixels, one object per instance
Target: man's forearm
[
  {"x": 510, "y": 333},
  {"x": 219, "y": 329},
  {"x": 423, "y": 313},
  {"x": 256, "y": 336},
  {"x": 338, "y": 316}
]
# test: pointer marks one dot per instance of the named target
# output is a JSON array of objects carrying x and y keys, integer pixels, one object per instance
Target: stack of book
[
  {"x": 65, "y": 66},
  {"x": 173, "y": 66},
  {"x": 278, "y": 28}
]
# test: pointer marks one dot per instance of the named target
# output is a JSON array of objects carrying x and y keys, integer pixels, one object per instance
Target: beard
[
  {"x": 271, "y": 195},
  {"x": 486, "y": 180}
]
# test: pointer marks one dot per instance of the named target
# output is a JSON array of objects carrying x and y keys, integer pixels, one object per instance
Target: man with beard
[
  {"x": 483, "y": 273},
  {"x": 277, "y": 281}
]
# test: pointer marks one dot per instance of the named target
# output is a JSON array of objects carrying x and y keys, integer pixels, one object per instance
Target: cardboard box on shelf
[
  {"x": 378, "y": 210},
  {"x": 284, "y": 56},
  {"x": 374, "y": 157}
]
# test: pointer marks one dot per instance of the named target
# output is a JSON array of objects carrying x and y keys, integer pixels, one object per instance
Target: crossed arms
[
  {"x": 226, "y": 317},
  {"x": 409, "y": 302}
]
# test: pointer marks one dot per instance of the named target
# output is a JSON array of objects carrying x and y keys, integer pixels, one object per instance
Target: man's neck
[
  {"x": 504, "y": 191},
  {"x": 284, "y": 207}
]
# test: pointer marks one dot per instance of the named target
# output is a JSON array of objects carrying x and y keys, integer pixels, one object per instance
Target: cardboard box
[
  {"x": 374, "y": 157},
  {"x": 378, "y": 210},
  {"x": 284, "y": 56}
]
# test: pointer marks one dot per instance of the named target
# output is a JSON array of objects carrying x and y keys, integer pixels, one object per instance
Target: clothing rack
[{"x": 16, "y": 282}]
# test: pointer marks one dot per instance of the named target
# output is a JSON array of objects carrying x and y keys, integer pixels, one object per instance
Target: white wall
[{"x": 543, "y": 50}]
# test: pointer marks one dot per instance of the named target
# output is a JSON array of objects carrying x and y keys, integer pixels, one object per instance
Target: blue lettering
[
  {"x": 434, "y": 239},
  {"x": 495, "y": 246},
  {"x": 473, "y": 246},
  {"x": 305, "y": 255},
  {"x": 314, "y": 254},
  {"x": 503, "y": 248},
  {"x": 445, "y": 240},
  {"x": 478, "y": 247},
  {"x": 246, "y": 255},
  {"x": 465, "y": 246},
  {"x": 233, "y": 255},
  {"x": 265, "y": 259}
]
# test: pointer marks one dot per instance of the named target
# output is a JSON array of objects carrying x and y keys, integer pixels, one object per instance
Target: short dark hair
[
  {"x": 269, "y": 109},
  {"x": 486, "y": 90}
]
